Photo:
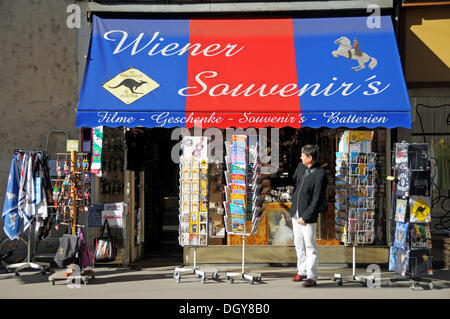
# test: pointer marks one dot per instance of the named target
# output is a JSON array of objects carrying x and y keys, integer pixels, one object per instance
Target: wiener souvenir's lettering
[{"x": 193, "y": 211}]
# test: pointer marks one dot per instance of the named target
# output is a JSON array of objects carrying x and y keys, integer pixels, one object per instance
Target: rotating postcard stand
[
  {"x": 193, "y": 217},
  {"x": 355, "y": 194},
  {"x": 242, "y": 178}
]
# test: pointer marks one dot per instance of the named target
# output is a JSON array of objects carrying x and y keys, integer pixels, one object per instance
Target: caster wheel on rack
[
  {"x": 339, "y": 283},
  {"x": 391, "y": 284},
  {"x": 53, "y": 283},
  {"x": 251, "y": 282},
  {"x": 231, "y": 281},
  {"x": 17, "y": 274},
  {"x": 431, "y": 286},
  {"x": 215, "y": 276}
]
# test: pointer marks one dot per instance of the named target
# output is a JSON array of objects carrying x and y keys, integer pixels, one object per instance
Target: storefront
[{"x": 298, "y": 81}]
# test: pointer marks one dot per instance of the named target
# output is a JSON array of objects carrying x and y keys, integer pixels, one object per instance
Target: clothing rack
[{"x": 43, "y": 267}]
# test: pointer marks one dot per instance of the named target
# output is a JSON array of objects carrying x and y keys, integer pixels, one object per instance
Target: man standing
[{"x": 307, "y": 202}]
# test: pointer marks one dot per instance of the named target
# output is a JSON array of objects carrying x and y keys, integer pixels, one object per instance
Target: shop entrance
[{"x": 161, "y": 196}]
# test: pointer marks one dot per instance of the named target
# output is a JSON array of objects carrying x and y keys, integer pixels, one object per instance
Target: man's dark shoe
[
  {"x": 309, "y": 283},
  {"x": 298, "y": 278}
]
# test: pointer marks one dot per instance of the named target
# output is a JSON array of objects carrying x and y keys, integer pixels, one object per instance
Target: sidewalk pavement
[{"x": 159, "y": 283}]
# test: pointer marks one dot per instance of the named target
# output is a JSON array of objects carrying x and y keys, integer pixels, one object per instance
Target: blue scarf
[{"x": 12, "y": 220}]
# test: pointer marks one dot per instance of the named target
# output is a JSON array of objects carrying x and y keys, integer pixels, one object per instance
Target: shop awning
[{"x": 243, "y": 73}]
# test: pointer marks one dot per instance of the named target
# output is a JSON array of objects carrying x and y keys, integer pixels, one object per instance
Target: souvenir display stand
[
  {"x": 193, "y": 215},
  {"x": 29, "y": 192},
  {"x": 355, "y": 194},
  {"x": 242, "y": 194},
  {"x": 410, "y": 253},
  {"x": 71, "y": 190}
]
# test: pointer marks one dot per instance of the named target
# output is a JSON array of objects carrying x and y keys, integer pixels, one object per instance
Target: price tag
[{"x": 72, "y": 145}]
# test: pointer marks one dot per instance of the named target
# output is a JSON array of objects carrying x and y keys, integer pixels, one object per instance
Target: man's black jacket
[{"x": 309, "y": 193}]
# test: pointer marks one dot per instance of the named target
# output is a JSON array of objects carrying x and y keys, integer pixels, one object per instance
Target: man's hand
[{"x": 301, "y": 222}]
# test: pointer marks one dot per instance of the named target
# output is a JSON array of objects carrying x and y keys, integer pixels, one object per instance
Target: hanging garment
[
  {"x": 30, "y": 196},
  {"x": 22, "y": 190},
  {"x": 40, "y": 193},
  {"x": 87, "y": 259},
  {"x": 12, "y": 220}
]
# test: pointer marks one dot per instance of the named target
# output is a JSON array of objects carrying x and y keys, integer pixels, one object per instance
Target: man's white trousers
[{"x": 306, "y": 248}]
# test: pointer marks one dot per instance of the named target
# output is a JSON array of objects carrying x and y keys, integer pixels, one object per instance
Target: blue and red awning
[{"x": 243, "y": 73}]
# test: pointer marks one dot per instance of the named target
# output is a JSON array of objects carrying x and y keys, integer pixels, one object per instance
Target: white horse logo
[{"x": 345, "y": 47}]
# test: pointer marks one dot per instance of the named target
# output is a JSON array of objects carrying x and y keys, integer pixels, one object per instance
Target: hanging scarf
[
  {"x": 29, "y": 210},
  {"x": 97, "y": 141},
  {"x": 40, "y": 193},
  {"x": 12, "y": 220}
]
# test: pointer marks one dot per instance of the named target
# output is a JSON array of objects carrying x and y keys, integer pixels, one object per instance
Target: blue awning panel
[{"x": 323, "y": 72}]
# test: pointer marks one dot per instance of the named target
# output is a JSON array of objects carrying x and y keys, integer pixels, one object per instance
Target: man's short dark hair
[{"x": 311, "y": 150}]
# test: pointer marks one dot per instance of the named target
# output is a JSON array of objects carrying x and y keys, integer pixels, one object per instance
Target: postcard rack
[
  {"x": 355, "y": 194},
  {"x": 193, "y": 214},
  {"x": 410, "y": 253},
  {"x": 242, "y": 195}
]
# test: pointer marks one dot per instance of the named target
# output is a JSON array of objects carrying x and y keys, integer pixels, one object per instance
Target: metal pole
[
  {"x": 354, "y": 261},
  {"x": 243, "y": 254},
  {"x": 195, "y": 258}
]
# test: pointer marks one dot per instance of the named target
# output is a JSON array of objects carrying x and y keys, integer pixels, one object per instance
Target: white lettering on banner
[
  {"x": 114, "y": 118},
  {"x": 337, "y": 118},
  {"x": 291, "y": 89},
  {"x": 164, "y": 118},
  {"x": 270, "y": 119},
  {"x": 170, "y": 49}
]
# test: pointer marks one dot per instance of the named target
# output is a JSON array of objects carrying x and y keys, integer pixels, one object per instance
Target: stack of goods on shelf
[
  {"x": 193, "y": 230},
  {"x": 355, "y": 189},
  {"x": 411, "y": 211}
]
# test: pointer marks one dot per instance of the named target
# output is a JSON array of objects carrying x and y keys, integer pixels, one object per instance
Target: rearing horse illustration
[{"x": 345, "y": 47}]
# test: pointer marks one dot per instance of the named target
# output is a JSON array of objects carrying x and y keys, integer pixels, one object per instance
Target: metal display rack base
[
  {"x": 361, "y": 279},
  {"x": 414, "y": 281},
  {"x": 43, "y": 267},
  {"x": 198, "y": 273},
  {"x": 252, "y": 278}
]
